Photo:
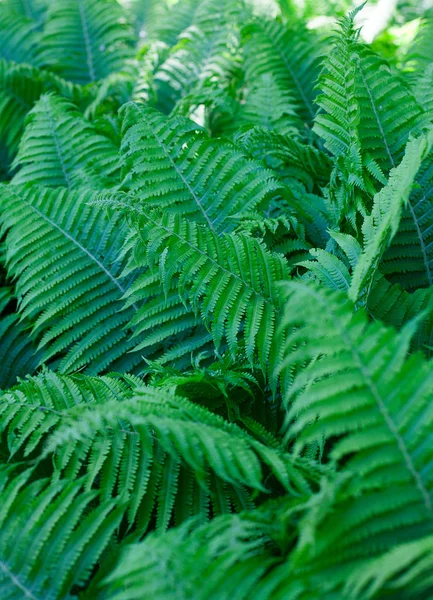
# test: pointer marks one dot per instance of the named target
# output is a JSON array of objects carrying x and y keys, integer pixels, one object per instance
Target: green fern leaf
[
  {"x": 382, "y": 225},
  {"x": 35, "y": 407},
  {"x": 338, "y": 124},
  {"x": 20, "y": 39},
  {"x": 224, "y": 558},
  {"x": 362, "y": 396},
  {"x": 31, "y": 9},
  {"x": 62, "y": 535},
  {"x": 269, "y": 106},
  {"x": 409, "y": 259},
  {"x": 407, "y": 568},
  {"x": 388, "y": 110},
  {"x": 203, "y": 55},
  {"x": 59, "y": 148},
  {"x": 18, "y": 355},
  {"x": 74, "y": 307},
  {"x": 291, "y": 55},
  {"x": 21, "y": 87},
  {"x": 171, "y": 163},
  {"x": 85, "y": 40},
  {"x": 171, "y": 20},
  {"x": 395, "y": 306}
]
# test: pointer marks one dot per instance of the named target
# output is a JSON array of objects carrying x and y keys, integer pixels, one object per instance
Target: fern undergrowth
[{"x": 216, "y": 305}]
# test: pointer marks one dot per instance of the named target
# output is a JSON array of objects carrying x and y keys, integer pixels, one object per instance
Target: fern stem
[
  {"x": 17, "y": 583},
  {"x": 421, "y": 243},
  {"x": 56, "y": 141},
  {"x": 87, "y": 42},
  {"x": 376, "y": 114}
]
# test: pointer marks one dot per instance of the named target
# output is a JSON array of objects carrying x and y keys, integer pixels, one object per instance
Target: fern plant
[{"x": 216, "y": 308}]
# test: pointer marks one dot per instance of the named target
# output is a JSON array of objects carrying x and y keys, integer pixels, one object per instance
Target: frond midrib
[
  {"x": 16, "y": 582},
  {"x": 196, "y": 249},
  {"x": 68, "y": 236},
  {"x": 57, "y": 141},
  {"x": 87, "y": 42},
  {"x": 381, "y": 404},
  {"x": 176, "y": 168}
]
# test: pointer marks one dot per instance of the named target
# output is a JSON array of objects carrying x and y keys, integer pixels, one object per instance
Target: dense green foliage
[{"x": 216, "y": 306}]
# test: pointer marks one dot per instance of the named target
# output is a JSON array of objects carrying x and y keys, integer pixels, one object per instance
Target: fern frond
[
  {"x": 409, "y": 260},
  {"x": 338, "y": 124},
  {"x": 173, "y": 164},
  {"x": 63, "y": 256},
  {"x": 396, "y": 234},
  {"x": 21, "y": 86},
  {"x": 20, "y": 39},
  {"x": 144, "y": 14},
  {"x": 422, "y": 89},
  {"x": 173, "y": 19},
  {"x": 62, "y": 535},
  {"x": 203, "y": 55},
  {"x": 360, "y": 394},
  {"x": 382, "y": 225},
  {"x": 18, "y": 355},
  {"x": 31, "y": 9},
  {"x": 288, "y": 157},
  {"x": 85, "y": 40},
  {"x": 224, "y": 558},
  {"x": 395, "y": 306},
  {"x": 202, "y": 440},
  {"x": 133, "y": 442},
  {"x": 420, "y": 54},
  {"x": 387, "y": 302},
  {"x": 164, "y": 328},
  {"x": 60, "y": 148},
  {"x": 388, "y": 109},
  {"x": 406, "y": 568},
  {"x": 39, "y": 405},
  {"x": 269, "y": 106},
  {"x": 291, "y": 55}
]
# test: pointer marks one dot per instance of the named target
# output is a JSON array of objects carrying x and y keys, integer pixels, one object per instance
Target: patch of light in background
[
  {"x": 374, "y": 18},
  {"x": 269, "y": 8}
]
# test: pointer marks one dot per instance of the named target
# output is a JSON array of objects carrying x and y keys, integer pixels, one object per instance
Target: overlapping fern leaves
[
  {"x": 215, "y": 302},
  {"x": 158, "y": 167}
]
